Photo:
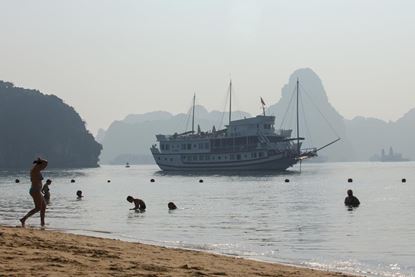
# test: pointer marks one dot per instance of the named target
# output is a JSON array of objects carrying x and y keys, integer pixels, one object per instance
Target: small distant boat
[
  {"x": 391, "y": 156},
  {"x": 245, "y": 144},
  {"x": 127, "y": 165}
]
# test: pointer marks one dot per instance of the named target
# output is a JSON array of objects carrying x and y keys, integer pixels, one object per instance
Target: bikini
[{"x": 36, "y": 189}]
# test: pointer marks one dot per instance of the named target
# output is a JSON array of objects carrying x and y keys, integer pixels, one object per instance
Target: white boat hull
[{"x": 274, "y": 163}]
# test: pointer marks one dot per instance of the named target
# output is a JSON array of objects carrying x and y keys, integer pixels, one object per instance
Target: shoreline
[{"x": 26, "y": 251}]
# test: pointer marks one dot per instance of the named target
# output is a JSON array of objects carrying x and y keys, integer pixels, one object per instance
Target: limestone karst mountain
[
  {"x": 320, "y": 123},
  {"x": 370, "y": 135},
  {"x": 34, "y": 124}
]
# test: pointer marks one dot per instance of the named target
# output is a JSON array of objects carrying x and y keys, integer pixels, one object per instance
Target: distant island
[{"x": 34, "y": 124}]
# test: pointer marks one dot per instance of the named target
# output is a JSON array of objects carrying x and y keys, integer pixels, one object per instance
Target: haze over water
[{"x": 258, "y": 216}]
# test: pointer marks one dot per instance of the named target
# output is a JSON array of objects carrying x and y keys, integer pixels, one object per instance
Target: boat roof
[
  {"x": 270, "y": 119},
  {"x": 245, "y": 126}
]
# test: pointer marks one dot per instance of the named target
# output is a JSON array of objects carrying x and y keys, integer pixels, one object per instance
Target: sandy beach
[{"x": 25, "y": 252}]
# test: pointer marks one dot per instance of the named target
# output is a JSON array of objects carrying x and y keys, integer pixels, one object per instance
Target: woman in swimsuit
[{"x": 35, "y": 191}]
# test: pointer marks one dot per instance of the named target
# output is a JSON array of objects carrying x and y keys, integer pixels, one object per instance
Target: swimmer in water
[
  {"x": 79, "y": 195},
  {"x": 171, "y": 206},
  {"x": 351, "y": 201}
]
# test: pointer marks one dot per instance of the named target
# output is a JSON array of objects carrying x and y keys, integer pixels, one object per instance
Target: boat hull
[{"x": 274, "y": 163}]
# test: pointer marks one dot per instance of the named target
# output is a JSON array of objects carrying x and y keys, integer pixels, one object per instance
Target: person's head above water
[
  {"x": 171, "y": 206},
  {"x": 350, "y": 192},
  {"x": 79, "y": 193},
  {"x": 130, "y": 198}
]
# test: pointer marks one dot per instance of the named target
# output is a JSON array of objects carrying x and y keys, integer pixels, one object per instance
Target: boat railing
[
  {"x": 312, "y": 149},
  {"x": 308, "y": 153},
  {"x": 233, "y": 148},
  {"x": 193, "y": 137}
]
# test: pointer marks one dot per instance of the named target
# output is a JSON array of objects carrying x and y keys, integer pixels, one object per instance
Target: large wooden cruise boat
[{"x": 245, "y": 144}]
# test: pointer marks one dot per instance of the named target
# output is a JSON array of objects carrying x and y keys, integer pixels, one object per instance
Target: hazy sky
[{"x": 112, "y": 58}]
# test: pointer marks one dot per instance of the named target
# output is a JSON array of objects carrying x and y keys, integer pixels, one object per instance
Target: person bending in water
[
  {"x": 35, "y": 191},
  {"x": 79, "y": 194},
  {"x": 351, "y": 200},
  {"x": 45, "y": 190},
  {"x": 139, "y": 204}
]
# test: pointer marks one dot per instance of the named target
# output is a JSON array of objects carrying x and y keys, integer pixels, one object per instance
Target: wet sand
[{"x": 25, "y": 252}]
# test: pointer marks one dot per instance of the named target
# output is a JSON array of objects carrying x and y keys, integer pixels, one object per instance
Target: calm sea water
[{"x": 303, "y": 222}]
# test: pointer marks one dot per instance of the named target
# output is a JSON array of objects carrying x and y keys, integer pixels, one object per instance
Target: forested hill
[{"x": 33, "y": 124}]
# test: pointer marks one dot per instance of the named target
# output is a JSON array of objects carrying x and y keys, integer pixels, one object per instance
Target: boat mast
[
  {"x": 230, "y": 101},
  {"x": 193, "y": 114},
  {"x": 298, "y": 123}
]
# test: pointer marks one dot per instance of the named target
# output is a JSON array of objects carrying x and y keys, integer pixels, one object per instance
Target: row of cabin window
[
  {"x": 266, "y": 126},
  {"x": 170, "y": 159},
  {"x": 184, "y": 146},
  {"x": 253, "y": 155}
]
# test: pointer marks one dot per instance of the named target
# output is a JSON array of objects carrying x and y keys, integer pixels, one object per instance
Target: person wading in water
[
  {"x": 351, "y": 201},
  {"x": 139, "y": 204},
  {"x": 45, "y": 190},
  {"x": 35, "y": 191}
]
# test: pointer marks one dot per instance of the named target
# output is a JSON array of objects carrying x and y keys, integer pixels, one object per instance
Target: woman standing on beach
[{"x": 35, "y": 191}]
